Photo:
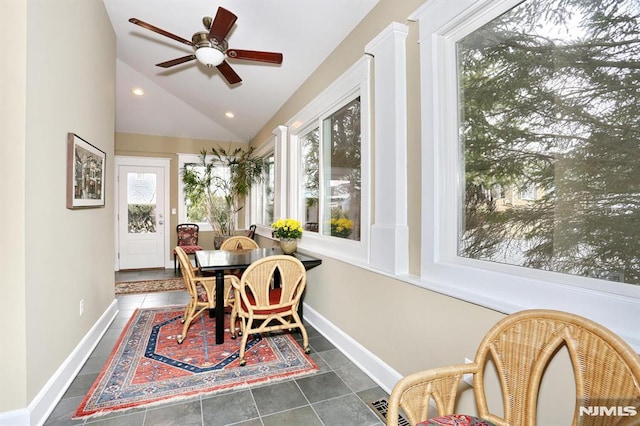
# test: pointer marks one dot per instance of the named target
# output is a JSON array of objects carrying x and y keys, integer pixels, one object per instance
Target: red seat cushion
[
  {"x": 202, "y": 294},
  {"x": 190, "y": 249},
  {"x": 274, "y": 299},
  {"x": 456, "y": 420}
]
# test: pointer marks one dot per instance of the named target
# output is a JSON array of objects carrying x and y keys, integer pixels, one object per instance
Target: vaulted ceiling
[{"x": 190, "y": 99}]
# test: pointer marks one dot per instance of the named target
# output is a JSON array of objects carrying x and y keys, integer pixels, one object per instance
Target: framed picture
[{"x": 85, "y": 174}]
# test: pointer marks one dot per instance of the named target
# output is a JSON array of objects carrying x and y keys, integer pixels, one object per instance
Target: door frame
[{"x": 165, "y": 163}]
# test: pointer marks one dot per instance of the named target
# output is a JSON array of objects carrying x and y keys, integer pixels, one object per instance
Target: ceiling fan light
[{"x": 209, "y": 56}]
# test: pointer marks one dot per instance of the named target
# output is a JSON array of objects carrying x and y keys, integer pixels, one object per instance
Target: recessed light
[
  {"x": 137, "y": 91},
  {"x": 229, "y": 114}
]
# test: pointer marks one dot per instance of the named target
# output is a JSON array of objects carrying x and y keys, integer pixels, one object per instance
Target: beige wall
[
  {"x": 13, "y": 367},
  {"x": 58, "y": 256}
]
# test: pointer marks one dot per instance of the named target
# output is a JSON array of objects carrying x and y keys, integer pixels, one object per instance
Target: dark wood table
[{"x": 216, "y": 262}]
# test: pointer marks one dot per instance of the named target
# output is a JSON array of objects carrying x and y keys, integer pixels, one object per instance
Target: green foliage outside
[
  {"x": 217, "y": 186},
  {"x": 142, "y": 218},
  {"x": 551, "y": 97}
]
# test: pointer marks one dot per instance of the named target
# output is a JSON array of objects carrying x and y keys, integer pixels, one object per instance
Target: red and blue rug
[{"x": 147, "y": 366}]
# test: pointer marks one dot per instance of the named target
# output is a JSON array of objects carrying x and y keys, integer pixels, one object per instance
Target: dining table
[{"x": 216, "y": 262}]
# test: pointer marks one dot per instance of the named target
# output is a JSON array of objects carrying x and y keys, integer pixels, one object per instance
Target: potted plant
[
  {"x": 220, "y": 183},
  {"x": 287, "y": 231}
]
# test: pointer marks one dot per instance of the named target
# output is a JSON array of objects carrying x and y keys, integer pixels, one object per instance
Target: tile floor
[{"x": 334, "y": 396}]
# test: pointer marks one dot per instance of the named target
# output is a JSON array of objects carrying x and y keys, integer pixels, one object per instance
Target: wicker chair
[
  {"x": 187, "y": 239},
  {"x": 606, "y": 370},
  {"x": 202, "y": 291},
  {"x": 238, "y": 242},
  {"x": 262, "y": 307}
]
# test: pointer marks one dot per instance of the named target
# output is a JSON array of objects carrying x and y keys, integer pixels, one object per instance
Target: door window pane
[
  {"x": 550, "y": 138},
  {"x": 141, "y": 203}
]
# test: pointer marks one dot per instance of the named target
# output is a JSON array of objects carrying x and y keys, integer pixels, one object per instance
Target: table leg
[{"x": 219, "y": 307}]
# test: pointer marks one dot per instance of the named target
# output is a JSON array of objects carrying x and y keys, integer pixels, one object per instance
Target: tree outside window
[
  {"x": 342, "y": 183},
  {"x": 310, "y": 144},
  {"x": 550, "y": 114},
  {"x": 266, "y": 194},
  {"x": 336, "y": 165}
]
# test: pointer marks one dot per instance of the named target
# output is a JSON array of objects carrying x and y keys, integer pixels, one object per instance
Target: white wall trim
[
  {"x": 380, "y": 372},
  {"x": 390, "y": 233},
  {"x": 15, "y": 418},
  {"x": 46, "y": 400}
]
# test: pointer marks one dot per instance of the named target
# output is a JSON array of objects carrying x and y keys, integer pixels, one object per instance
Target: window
[
  {"x": 529, "y": 149},
  {"x": 265, "y": 199},
  {"x": 548, "y": 102},
  {"x": 141, "y": 203},
  {"x": 329, "y": 152},
  {"x": 342, "y": 182},
  {"x": 310, "y": 159},
  {"x": 190, "y": 210}
]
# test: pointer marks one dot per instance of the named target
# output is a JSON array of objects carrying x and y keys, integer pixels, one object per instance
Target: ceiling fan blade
[
  {"x": 160, "y": 31},
  {"x": 229, "y": 73},
  {"x": 255, "y": 55},
  {"x": 176, "y": 61},
  {"x": 222, "y": 24}
]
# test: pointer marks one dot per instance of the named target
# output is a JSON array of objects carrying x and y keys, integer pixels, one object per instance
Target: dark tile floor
[{"x": 336, "y": 395}]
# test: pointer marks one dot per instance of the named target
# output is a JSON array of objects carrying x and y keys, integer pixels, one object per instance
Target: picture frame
[{"x": 85, "y": 174}]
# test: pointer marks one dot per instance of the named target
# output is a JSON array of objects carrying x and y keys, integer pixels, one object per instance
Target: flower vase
[{"x": 288, "y": 245}]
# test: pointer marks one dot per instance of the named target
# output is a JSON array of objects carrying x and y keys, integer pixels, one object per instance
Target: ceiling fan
[{"x": 211, "y": 47}]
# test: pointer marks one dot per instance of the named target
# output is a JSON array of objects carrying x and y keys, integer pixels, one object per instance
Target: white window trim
[
  {"x": 390, "y": 232},
  {"x": 504, "y": 288},
  {"x": 353, "y": 83},
  {"x": 275, "y": 145}
]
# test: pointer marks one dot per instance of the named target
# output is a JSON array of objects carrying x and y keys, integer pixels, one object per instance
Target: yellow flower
[
  {"x": 287, "y": 228},
  {"x": 341, "y": 227}
]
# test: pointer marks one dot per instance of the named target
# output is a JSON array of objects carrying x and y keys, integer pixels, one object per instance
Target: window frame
[
  {"x": 252, "y": 215},
  {"x": 354, "y": 83},
  {"x": 183, "y": 159},
  {"x": 501, "y": 287}
]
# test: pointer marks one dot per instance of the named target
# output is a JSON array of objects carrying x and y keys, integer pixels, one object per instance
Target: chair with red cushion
[
  {"x": 263, "y": 307},
  {"x": 251, "y": 232},
  {"x": 187, "y": 240},
  {"x": 520, "y": 347}
]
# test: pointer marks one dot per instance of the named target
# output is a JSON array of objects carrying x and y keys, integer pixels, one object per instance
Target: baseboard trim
[
  {"x": 380, "y": 372},
  {"x": 43, "y": 404},
  {"x": 15, "y": 417}
]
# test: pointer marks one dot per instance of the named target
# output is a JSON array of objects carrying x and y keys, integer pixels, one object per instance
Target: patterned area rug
[
  {"x": 150, "y": 286},
  {"x": 147, "y": 365}
]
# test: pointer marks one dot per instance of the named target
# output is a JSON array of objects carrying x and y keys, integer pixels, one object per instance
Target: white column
[{"x": 390, "y": 233}]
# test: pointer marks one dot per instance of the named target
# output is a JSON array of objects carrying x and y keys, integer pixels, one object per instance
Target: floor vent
[{"x": 381, "y": 407}]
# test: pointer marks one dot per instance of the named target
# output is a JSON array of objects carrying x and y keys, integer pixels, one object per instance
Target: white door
[{"x": 141, "y": 221}]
